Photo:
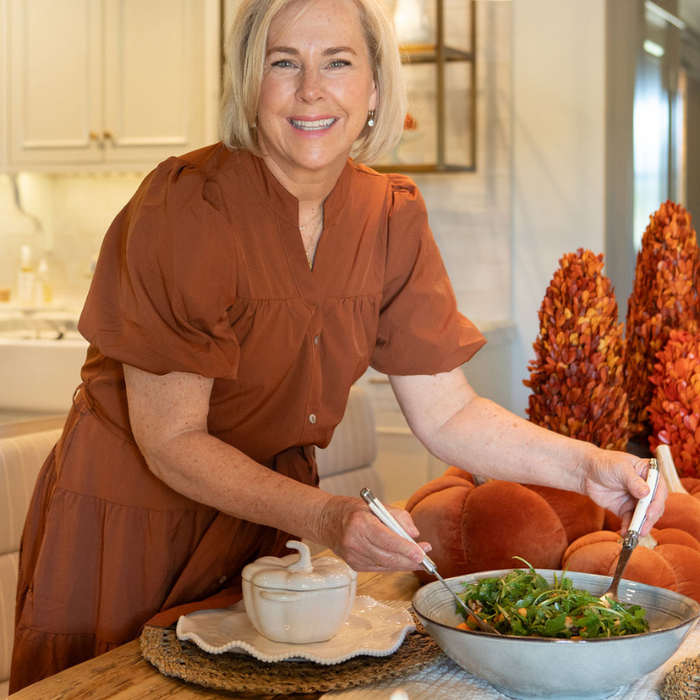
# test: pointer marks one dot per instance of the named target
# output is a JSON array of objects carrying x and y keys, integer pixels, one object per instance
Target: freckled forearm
[
  {"x": 485, "y": 439},
  {"x": 168, "y": 416},
  {"x": 209, "y": 471},
  {"x": 479, "y": 436}
]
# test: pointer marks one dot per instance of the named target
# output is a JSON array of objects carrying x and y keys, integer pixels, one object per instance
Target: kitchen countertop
[
  {"x": 498, "y": 333},
  {"x": 7, "y": 416}
]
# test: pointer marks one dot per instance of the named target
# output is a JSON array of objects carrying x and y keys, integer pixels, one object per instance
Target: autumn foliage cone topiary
[
  {"x": 675, "y": 407},
  {"x": 577, "y": 377},
  {"x": 664, "y": 297}
]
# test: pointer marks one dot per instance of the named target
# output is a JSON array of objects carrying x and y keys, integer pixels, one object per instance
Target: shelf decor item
[
  {"x": 412, "y": 22},
  {"x": 577, "y": 377},
  {"x": 674, "y": 411},
  {"x": 438, "y": 47},
  {"x": 664, "y": 297}
]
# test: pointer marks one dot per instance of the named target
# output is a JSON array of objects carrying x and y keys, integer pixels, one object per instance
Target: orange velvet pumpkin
[
  {"x": 674, "y": 562},
  {"x": 691, "y": 485},
  {"x": 479, "y": 528},
  {"x": 682, "y": 511}
]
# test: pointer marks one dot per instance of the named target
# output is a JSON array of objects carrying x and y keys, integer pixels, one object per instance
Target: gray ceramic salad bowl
[{"x": 559, "y": 669}]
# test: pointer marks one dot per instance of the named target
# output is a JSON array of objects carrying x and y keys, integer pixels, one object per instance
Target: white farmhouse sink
[{"x": 40, "y": 361}]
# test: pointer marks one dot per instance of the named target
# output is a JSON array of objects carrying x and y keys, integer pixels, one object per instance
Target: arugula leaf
[{"x": 525, "y": 604}]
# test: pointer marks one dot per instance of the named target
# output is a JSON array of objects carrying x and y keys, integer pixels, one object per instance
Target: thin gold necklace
[
  {"x": 304, "y": 227},
  {"x": 319, "y": 215}
]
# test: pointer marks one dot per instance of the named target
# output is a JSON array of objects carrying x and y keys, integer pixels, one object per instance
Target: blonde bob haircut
[{"x": 246, "y": 49}]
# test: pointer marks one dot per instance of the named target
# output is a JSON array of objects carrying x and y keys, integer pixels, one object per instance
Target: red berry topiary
[
  {"x": 665, "y": 296},
  {"x": 675, "y": 407},
  {"x": 577, "y": 377}
]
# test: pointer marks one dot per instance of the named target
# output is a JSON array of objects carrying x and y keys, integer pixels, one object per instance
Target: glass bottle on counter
[
  {"x": 26, "y": 277},
  {"x": 44, "y": 290}
]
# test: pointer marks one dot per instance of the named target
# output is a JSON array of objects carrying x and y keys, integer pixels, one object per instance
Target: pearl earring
[{"x": 370, "y": 118}]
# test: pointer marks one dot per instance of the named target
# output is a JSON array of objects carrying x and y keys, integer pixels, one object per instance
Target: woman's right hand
[{"x": 350, "y": 529}]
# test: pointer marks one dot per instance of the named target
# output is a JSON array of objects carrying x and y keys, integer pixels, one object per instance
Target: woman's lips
[{"x": 312, "y": 124}]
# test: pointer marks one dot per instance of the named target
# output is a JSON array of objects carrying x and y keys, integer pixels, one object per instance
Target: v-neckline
[{"x": 311, "y": 282}]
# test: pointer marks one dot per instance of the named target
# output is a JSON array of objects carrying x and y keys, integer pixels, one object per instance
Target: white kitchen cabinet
[{"x": 110, "y": 83}]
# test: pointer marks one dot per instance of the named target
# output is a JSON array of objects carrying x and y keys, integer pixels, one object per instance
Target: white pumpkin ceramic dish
[{"x": 297, "y": 600}]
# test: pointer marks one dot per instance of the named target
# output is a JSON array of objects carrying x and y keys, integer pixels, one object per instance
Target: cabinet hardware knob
[
  {"x": 108, "y": 135},
  {"x": 94, "y": 136}
]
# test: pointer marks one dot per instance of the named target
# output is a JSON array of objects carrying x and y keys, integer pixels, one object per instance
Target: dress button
[
  {"x": 223, "y": 579},
  {"x": 312, "y": 418},
  {"x": 316, "y": 340}
]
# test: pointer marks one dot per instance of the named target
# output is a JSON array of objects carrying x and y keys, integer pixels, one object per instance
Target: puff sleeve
[
  {"x": 165, "y": 278},
  {"x": 420, "y": 330}
]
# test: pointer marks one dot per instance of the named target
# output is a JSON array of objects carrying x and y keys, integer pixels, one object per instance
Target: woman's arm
[
  {"x": 477, "y": 435},
  {"x": 169, "y": 421}
]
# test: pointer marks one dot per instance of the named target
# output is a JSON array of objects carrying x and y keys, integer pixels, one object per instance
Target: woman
[{"x": 237, "y": 298}]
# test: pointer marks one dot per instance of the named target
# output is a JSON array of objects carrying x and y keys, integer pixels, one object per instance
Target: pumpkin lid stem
[{"x": 667, "y": 468}]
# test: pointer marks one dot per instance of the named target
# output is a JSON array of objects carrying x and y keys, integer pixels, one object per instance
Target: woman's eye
[
  {"x": 339, "y": 63},
  {"x": 282, "y": 63}
]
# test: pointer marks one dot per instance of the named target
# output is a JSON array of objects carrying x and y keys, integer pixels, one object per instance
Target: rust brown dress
[{"x": 204, "y": 271}]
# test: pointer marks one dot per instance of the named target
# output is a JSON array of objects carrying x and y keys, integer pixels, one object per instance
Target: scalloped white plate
[{"x": 372, "y": 629}]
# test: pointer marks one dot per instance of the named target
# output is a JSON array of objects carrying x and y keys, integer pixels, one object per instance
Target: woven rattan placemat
[
  {"x": 245, "y": 674},
  {"x": 682, "y": 682}
]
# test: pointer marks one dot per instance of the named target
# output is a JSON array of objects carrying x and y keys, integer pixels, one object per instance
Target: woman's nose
[{"x": 310, "y": 86}]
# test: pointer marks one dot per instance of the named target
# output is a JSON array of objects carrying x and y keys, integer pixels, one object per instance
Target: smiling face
[{"x": 316, "y": 91}]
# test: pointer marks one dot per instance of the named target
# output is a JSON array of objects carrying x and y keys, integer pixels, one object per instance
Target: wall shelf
[{"x": 440, "y": 130}]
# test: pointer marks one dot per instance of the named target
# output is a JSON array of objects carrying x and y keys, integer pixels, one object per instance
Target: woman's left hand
[{"x": 617, "y": 480}]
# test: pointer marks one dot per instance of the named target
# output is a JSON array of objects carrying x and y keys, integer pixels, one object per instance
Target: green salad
[{"x": 525, "y": 604}]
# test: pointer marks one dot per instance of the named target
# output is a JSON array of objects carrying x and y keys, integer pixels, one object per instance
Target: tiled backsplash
[{"x": 75, "y": 212}]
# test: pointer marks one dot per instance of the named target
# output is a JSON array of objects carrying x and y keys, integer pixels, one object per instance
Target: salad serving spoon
[
  {"x": 428, "y": 564},
  {"x": 632, "y": 537}
]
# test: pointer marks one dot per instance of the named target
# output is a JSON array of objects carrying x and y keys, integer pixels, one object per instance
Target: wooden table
[{"x": 122, "y": 674}]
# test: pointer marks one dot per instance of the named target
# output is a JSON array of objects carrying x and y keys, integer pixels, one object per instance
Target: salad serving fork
[
  {"x": 428, "y": 564},
  {"x": 632, "y": 536}
]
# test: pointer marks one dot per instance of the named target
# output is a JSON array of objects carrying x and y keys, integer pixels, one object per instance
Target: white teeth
[{"x": 312, "y": 125}]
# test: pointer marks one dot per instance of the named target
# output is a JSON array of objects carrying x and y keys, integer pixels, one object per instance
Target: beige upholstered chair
[
  {"x": 347, "y": 464},
  {"x": 23, "y": 448}
]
